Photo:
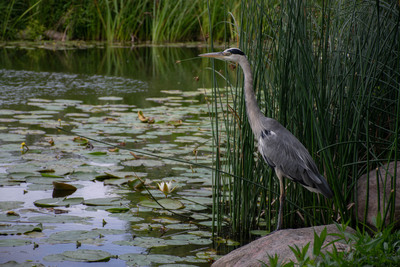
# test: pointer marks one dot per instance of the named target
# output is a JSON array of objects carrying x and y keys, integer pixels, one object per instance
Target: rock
[
  {"x": 256, "y": 253},
  {"x": 54, "y": 35},
  {"x": 385, "y": 174}
]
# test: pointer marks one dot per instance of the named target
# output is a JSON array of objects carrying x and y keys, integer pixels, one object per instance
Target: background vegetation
[
  {"x": 115, "y": 20},
  {"x": 329, "y": 72}
]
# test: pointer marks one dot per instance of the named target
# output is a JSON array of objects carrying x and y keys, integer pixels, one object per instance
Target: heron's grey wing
[{"x": 284, "y": 152}]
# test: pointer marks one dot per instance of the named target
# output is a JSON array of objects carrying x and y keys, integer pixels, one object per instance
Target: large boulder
[
  {"x": 380, "y": 178},
  {"x": 256, "y": 253}
]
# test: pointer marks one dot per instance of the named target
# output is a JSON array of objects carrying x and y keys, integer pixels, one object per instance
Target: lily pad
[
  {"x": 14, "y": 242},
  {"x": 9, "y": 205},
  {"x": 135, "y": 259},
  {"x": 127, "y": 217},
  {"x": 144, "y": 242},
  {"x": 19, "y": 229},
  {"x": 58, "y": 202},
  {"x": 105, "y": 201},
  {"x": 81, "y": 255},
  {"x": 60, "y": 218},
  {"x": 143, "y": 162},
  {"x": 118, "y": 210},
  {"x": 110, "y": 98},
  {"x": 168, "y": 203},
  {"x": 73, "y": 236}
]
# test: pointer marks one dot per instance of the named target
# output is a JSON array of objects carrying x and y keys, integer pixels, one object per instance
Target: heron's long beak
[{"x": 213, "y": 55}]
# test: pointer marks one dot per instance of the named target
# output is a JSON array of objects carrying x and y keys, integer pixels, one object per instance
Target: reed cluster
[
  {"x": 155, "y": 21},
  {"x": 329, "y": 71}
]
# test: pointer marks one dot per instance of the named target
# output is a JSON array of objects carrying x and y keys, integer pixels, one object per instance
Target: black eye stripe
[{"x": 235, "y": 51}]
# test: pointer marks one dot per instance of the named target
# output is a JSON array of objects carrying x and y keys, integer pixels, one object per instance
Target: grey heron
[{"x": 280, "y": 149}]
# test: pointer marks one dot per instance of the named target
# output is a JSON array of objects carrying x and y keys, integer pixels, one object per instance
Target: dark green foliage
[{"x": 115, "y": 20}]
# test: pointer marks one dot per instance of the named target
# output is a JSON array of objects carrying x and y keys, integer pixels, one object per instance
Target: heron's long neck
[{"x": 253, "y": 111}]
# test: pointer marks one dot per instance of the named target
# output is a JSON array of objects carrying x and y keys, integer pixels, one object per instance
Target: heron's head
[{"x": 230, "y": 54}]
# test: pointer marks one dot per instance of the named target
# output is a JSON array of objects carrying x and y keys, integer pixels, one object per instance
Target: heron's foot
[{"x": 273, "y": 232}]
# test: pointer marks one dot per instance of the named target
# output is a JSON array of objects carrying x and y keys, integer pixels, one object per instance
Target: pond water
[{"x": 64, "y": 197}]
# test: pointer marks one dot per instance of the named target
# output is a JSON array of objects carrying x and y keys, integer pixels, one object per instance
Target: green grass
[
  {"x": 329, "y": 72},
  {"x": 117, "y": 20}
]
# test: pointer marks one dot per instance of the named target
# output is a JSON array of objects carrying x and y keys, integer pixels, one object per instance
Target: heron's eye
[{"x": 227, "y": 53}]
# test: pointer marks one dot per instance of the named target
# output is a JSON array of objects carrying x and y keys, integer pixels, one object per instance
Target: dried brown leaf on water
[
  {"x": 135, "y": 156},
  {"x": 63, "y": 186},
  {"x": 143, "y": 118}
]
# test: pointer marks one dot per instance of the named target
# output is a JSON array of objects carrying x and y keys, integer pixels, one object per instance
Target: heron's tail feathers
[
  {"x": 318, "y": 185},
  {"x": 325, "y": 189}
]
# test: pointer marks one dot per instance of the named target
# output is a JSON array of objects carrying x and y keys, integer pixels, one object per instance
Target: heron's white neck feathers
[{"x": 254, "y": 113}]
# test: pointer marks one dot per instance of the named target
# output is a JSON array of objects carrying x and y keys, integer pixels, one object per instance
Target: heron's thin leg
[{"x": 281, "y": 202}]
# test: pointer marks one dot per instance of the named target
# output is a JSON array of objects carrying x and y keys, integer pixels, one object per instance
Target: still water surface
[{"x": 98, "y": 93}]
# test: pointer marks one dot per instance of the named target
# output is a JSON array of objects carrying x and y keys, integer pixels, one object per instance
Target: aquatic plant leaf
[
  {"x": 9, "y": 205},
  {"x": 80, "y": 255},
  {"x": 19, "y": 229},
  {"x": 168, "y": 203},
  {"x": 182, "y": 226},
  {"x": 58, "y": 202},
  {"x": 129, "y": 217},
  {"x": 72, "y": 236},
  {"x": 117, "y": 210},
  {"x": 149, "y": 242},
  {"x": 49, "y": 175},
  {"x": 60, "y": 218},
  {"x": 146, "y": 226},
  {"x": 63, "y": 186},
  {"x": 113, "y": 201},
  {"x": 141, "y": 117},
  {"x": 106, "y": 176},
  {"x": 98, "y": 153},
  {"x": 143, "y": 162},
  {"x": 14, "y": 243},
  {"x": 110, "y": 98},
  {"x": 136, "y": 184},
  {"x": 136, "y": 259}
]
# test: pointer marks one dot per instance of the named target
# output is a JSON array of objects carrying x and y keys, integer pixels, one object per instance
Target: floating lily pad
[
  {"x": 144, "y": 242},
  {"x": 105, "y": 201},
  {"x": 110, "y": 98},
  {"x": 73, "y": 236},
  {"x": 143, "y": 162},
  {"x": 146, "y": 226},
  {"x": 127, "y": 217},
  {"x": 80, "y": 255},
  {"x": 58, "y": 202},
  {"x": 181, "y": 226},
  {"x": 135, "y": 259},
  {"x": 14, "y": 243},
  {"x": 60, "y": 218},
  {"x": 9, "y": 205},
  {"x": 117, "y": 210},
  {"x": 19, "y": 229},
  {"x": 168, "y": 203}
]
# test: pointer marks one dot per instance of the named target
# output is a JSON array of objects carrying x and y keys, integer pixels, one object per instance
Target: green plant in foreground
[{"x": 382, "y": 248}]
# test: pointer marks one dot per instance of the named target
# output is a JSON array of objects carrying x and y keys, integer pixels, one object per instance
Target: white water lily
[{"x": 166, "y": 187}]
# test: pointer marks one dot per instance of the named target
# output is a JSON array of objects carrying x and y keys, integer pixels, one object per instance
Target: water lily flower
[
  {"x": 24, "y": 148},
  {"x": 166, "y": 187}
]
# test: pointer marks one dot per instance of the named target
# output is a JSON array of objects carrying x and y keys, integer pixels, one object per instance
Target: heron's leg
[{"x": 281, "y": 201}]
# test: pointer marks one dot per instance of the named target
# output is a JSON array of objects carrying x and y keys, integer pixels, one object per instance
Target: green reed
[
  {"x": 329, "y": 72},
  {"x": 115, "y": 20}
]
